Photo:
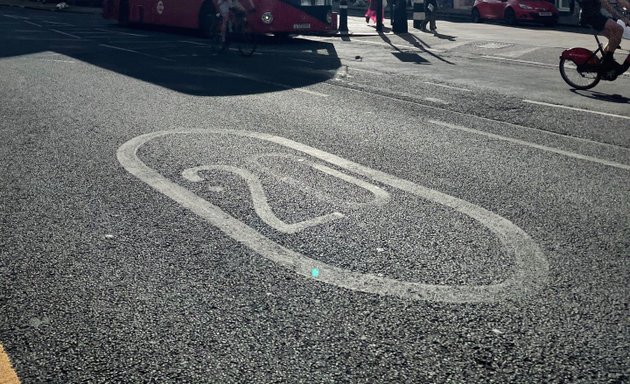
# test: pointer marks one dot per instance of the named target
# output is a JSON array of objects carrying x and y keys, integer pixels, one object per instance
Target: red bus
[{"x": 278, "y": 17}]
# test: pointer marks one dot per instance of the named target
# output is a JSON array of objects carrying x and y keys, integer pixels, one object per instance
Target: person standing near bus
[
  {"x": 371, "y": 12},
  {"x": 224, "y": 9},
  {"x": 430, "y": 8}
]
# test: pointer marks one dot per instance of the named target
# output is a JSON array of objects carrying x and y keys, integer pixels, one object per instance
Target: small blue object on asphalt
[{"x": 315, "y": 272}]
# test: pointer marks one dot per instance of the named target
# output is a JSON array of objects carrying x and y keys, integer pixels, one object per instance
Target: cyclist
[
  {"x": 224, "y": 9},
  {"x": 607, "y": 27}
]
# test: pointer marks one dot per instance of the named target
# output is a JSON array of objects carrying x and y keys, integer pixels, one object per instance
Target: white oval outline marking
[{"x": 531, "y": 266}]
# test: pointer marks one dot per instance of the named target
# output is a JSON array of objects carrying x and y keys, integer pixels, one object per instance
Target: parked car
[{"x": 515, "y": 11}]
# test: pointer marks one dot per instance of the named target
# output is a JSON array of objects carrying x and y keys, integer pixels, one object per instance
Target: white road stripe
[
  {"x": 31, "y": 23},
  {"x": 521, "y": 127},
  {"x": 193, "y": 42},
  {"x": 577, "y": 109},
  {"x": 519, "y": 61},
  {"x": 58, "y": 23},
  {"x": 533, "y": 145},
  {"x": 520, "y": 52},
  {"x": 448, "y": 86},
  {"x": 121, "y": 33},
  {"x": 436, "y": 100},
  {"x": 302, "y": 61},
  {"x": 67, "y": 34},
  {"x": 242, "y": 76},
  {"x": 59, "y": 61},
  {"x": 136, "y": 52},
  {"x": 368, "y": 71}
]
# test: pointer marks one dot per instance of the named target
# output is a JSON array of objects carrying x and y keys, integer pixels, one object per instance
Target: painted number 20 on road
[{"x": 530, "y": 267}]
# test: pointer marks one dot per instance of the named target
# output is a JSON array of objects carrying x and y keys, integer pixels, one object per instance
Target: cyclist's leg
[{"x": 613, "y": 32}]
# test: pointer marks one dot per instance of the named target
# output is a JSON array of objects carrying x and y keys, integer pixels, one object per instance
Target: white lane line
[
  {"x": 521, "y": 52},
  {"x": 367, "y": 71},
  {"x": 15, "y": 17},
  {"x": 519, "y": 61},
  {"x": 529, "y": 274},
  {"x": 576, "y": 109},
  {"x": 59, "y": 61},
  {"x": 67, "y": 34},
  {"x": 119, "y": 48},
  {"x": 31, "y": 23},
  {"x": 193, "y": 42},
  {"x": 242, "y": 76},
  {"x": 58, "y": 23},
  {"x": 520, "y": 127},
  {"x": 136, "y": 52},
  {"x": 121, "y": 33},
  {"x": 435, "y": 100},
  {"x": 302, "y": 61},
  {"x": 448, "y": 86},
  {"x": 533, "y": 145}
]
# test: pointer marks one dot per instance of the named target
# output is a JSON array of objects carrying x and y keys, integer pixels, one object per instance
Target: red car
[{"x": 515, "y": 11}]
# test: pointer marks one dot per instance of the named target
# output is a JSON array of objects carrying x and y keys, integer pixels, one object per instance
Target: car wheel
[
  {"x": 510, "y": 16},
  {"x": 476, "y": 17}
]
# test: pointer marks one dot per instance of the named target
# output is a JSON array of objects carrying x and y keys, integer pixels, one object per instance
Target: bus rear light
[{"x": 267, "y": 18}]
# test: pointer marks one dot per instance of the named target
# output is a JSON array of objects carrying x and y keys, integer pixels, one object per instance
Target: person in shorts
[{"x": 592, "y": 15}]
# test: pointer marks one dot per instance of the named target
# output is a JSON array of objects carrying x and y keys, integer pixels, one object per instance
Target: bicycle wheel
[
  {"x": 577, "y": 78},
  {"x": 246, "y": 42}
]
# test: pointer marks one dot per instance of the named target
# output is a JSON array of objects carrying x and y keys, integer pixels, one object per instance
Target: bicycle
[
  {"x": 582, "y": 69},
  {"x": 237, "y": 32}
]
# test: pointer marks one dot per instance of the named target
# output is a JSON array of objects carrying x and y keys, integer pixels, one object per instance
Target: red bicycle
[{"x": 582, "y": 68}]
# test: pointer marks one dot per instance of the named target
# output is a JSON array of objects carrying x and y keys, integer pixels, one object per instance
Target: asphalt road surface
[{"x": 366, "y": 209}]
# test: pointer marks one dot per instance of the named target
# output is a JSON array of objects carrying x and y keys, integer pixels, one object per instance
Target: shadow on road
[
  {"x": 615, "y": 98},
  {"x": 180, "y": 60}
]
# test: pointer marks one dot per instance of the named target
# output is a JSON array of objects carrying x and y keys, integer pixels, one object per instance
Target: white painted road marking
[
  {"x": 67, "y": 34},
  {"x": 519, "y": 61},
  {"x": 279, "y": 85},
  {"x": 533, "y": 145},
  {"x": 448, "y": 86},
  {"x": 259, "y": 198},
  {"x": 31, "y": 23},
  {"x": 59, "y": 23},
  {"x": 381, "y": 197},
  {"x": 577, "y": 109},
  {"x": 136, "y": 52},
  {"x": 120, "y": 33},
  {"x": 529, "y": 274},
  {"x": 193, "y": 43},
  {"x": 435, "y": 100}
]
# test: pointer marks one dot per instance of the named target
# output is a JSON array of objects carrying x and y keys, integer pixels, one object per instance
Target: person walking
[
  {"x": 430, "y": 9},
  {"x": 371, "y": 12}
]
